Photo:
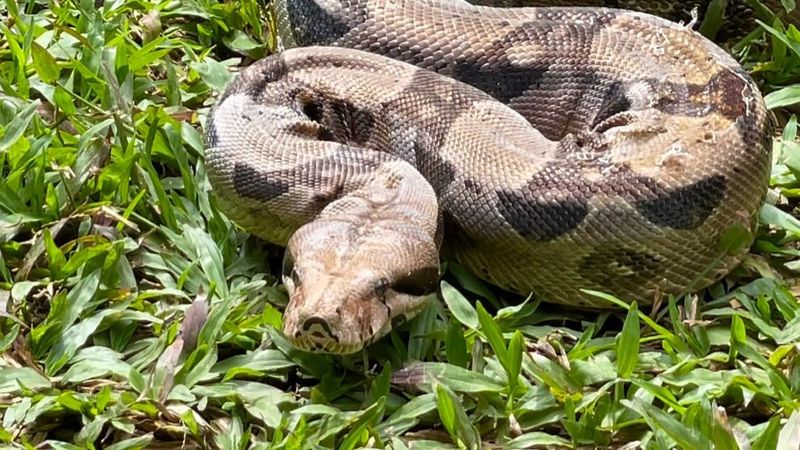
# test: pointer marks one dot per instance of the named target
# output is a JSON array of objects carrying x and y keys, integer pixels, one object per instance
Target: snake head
[
  {"x": 367, "y": 261},
  {"x": 344, "y": 295}
]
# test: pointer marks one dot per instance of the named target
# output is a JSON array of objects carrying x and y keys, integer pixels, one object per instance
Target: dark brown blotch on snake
[
  {"x": 307, "y": 16},
  {"x": 683, "y": 207},
  {"x": 553, "y": 203},
  {"x": 249, "y": 182}
]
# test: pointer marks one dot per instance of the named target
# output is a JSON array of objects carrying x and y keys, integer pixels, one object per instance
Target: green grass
[{"x": 134, "y": 314}]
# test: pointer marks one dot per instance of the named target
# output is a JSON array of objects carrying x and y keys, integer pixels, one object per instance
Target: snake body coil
[{"x": 549, "y": 149}]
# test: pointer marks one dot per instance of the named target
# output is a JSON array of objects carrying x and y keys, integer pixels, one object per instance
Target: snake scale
[{"x": 547, "y": 150}]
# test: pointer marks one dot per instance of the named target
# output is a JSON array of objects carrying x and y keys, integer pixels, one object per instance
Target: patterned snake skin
[
  {"x": 739, "y": 14},
  {"x": 546, "y": 149}
]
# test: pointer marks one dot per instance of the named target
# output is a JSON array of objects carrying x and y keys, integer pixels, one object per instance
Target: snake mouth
[
  {"x": 316, "y": 335},
  {"x": 309, "y": 344},
  {"x": 335, "y": 327}
]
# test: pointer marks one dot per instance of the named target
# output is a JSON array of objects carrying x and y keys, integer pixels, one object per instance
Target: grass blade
[{"x": 628, "y": 344}]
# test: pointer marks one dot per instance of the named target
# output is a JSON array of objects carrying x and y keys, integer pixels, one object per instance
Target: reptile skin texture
[{"x": 548, "y": 150}]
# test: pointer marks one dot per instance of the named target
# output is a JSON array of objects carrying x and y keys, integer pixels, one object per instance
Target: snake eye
[
  {"x": 288, "y": 269},
  {"x": 313, "y": 110},
  {"x": 381, "y": 287},
  {"x": 419, "y": 282}
]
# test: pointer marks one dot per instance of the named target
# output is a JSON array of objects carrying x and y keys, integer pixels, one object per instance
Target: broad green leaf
[
  {"x": 768, "y": 440},
  {"x": 91, "y": 431},
  {"x": 72, "y": 339},
  {"x": 789, "y": 437},
  {"x": 792, "y": 44},
  {"x": 457, "y": 378},
  {"x": 628, "y": 343},
  {"x": 213, "y": 325},
  {"x": 738, "y": 336},
  {"x": 56, "y": 256},
  {"x": 64, "y": 101},
  {"x": 515, "y": 351},
  {"x": 16, "y": 128},
  {"x": 459, "y": 306},
  {"x": 772, "y": 215},
  {"x": 358, "y": 433},
  {"x": 7, "y": 338},
  {"x": 45, "y": 65},
  {"x": 408, "y": 415},
  {"x": 20, "y": 63},
  {"x": 190, "y": 421},
  {"x": 209, "y": 256},
  {"x": 197, "y": 366},
  {"x": 95, "y": 363},
  {"x": 455, "y": 419},
  {"x": 785, "y": 96},
  {"x": 662, "y": 393},
  {"x": 260, "y": 361},
  {"x": 447, "y": 409},
  {"x": 58, "y": 445},
  {"x": 15, "y": 413},
  {"x": 471, "y": 283},
  {"x": 137, "y": 381},
  {"x": 272, "y": 317},
  {"x": 455, "y": 345},
  {"x": 714, "y": 18},
  {"x": 80, "y": 298},
  {"x": 550, "y": 374},
  {"x": 380, "y": 386},
  {"x": 537, "y": 439},
  {"x": 14, "y": 379},
  {"x": 136, "y": 443},
  {"x": 492, "y": 333},
  {"x": 266, "y": 409},
  {"x": 148, "y": 54},
  {"x": 213, "y": 73},
  {"x": 422, "y": 327},
  {"x": 659, "y": 420}
]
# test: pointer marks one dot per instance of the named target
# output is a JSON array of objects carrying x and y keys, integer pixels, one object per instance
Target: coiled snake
[{"x": 545, "y": 149}]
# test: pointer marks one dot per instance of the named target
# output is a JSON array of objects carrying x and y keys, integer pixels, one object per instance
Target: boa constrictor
[
  {"x": 548, "y": 150},
  {"x": 739, "y": 15}
]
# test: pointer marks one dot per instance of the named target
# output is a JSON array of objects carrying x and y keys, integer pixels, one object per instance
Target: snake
[
  {"x": 551, "y": 151},
  {"x": 739, "y": 15}
]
